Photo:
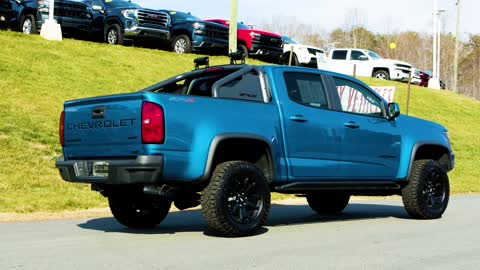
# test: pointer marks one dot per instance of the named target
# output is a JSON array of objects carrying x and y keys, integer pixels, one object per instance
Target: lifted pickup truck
[
  {"x": 113, "y": 21},
  {"x": 255, "y": 43},
  {"x": 367, "y": 64},
  {"x": 227, "y": 136}
]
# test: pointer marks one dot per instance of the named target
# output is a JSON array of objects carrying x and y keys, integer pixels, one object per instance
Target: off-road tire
[
  {"x": 427, "y": 192},
  {"x": 142, "y": 211},
  {"x": 381, "y": 75},
  {"x": 221, "y": 199},
  {"x": 28, "y": 21},
  {"x": 328, "y": 202},
  {"x": 113, "y": 34},
  {"x": 182, "y": 44}
]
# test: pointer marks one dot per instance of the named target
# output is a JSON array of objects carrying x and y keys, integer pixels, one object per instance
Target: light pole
[
  {"x": 439, "y": 34},
  {"x": 232, "y": 42},
  {"x": 434, "y": 82},
  {"x": 455, "y": 60},
  {"x": 51, "y": 30}
]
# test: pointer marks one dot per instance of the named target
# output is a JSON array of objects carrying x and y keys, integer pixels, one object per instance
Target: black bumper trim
[{"x": 142, "y": 170}]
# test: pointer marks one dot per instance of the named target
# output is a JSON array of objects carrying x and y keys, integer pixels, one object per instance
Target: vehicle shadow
[{"x": 280, "y": 215}]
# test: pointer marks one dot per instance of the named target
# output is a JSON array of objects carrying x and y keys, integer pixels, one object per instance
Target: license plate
[{"x": 100, "y": 169}]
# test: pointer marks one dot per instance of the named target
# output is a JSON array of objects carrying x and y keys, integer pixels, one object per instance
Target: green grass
[{"x": 37, "y": 76}]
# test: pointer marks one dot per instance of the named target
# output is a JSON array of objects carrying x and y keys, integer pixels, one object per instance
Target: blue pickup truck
[{"x": 225, "y": 137}]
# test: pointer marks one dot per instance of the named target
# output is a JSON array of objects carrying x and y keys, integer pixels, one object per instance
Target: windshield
[
  {"x": 182, "y": 16},
  {"x": 242, "y": 26},
  {"x": 120, "y": 4},
  {"x": 288, "y": 40},
  {"x": 374, "y": 56}
]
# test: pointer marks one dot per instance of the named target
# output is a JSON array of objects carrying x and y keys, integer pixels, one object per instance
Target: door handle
[
  {"x": 351, "y": 124},
  {"x": 298, "y": 118}
]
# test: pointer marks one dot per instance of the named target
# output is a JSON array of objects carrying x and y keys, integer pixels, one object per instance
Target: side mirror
[
  {"x": 97, "y": 8},
  {"x": 363, "y": 58},
  {"x": 393, "y": 110}
]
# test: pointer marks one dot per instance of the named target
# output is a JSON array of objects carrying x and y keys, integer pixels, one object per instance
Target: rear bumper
[{"x": 142, "y": 170}]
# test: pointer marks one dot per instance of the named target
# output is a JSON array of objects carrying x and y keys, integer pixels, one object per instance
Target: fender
[
  {"x": 219, "y": 138},
  {"x": 415, "y": 148}
]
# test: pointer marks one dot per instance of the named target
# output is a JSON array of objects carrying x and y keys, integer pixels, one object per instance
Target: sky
[{"x": 378, "y": 16}]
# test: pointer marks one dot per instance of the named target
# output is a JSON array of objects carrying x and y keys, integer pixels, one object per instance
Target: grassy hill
[{"x": 37, "y": 76}]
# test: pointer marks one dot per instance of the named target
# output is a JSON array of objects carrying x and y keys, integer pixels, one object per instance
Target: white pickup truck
[
  {"x": 302, "y": 55},
  {"x": 367, "y": 64}
]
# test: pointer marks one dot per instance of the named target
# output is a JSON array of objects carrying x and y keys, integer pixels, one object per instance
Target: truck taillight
[
  {"x": 61, "y": 129},
  {"x": 153, "y": 123}
]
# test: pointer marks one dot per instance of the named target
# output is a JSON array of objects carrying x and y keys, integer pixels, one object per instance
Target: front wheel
[
  {"x": 113, "y": 35},
  {"x": 139, "y": 211},
  {"x": 28, "y": 26},
  {"x": 237, "y": 200},
  {"x": 182, "y": 44},
  {"x": 427, "y": 193},
  {"x": 381, "y": 75},
  {"x": 286, "y": 59}
]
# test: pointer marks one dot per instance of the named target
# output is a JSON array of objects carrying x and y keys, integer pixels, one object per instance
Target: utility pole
[
  {"x": 455, "y": 60},
  {"x": 232, "y": 42}
]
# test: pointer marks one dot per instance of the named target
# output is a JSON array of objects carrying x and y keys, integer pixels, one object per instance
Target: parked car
[
  {"x": 425, "y": 77},
  {"x": 256, "y": 43},
  {"x": 367, "y": 64},
  {"x": 302, "y": 55},
  {"x": 20, "y": 15},
  {"x": 225, "y": 137},
  {"x": 113, "y": 21},
  {"x": 189, "y": 33}
]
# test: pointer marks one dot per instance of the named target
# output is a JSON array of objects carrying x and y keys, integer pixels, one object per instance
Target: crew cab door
[
  {"x": 370, "y": 143},
  {"x": 340, "y": 62},
  {"x": 363, "y": 64},
  {"x": 310, "y": 130}
]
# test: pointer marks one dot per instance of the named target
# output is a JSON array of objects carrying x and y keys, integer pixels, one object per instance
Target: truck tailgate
[{"x": 104, "y": 127}]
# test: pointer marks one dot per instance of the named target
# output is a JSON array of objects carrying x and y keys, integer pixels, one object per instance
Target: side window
[
  {"x": 247, "y": 87},
  {"x": 306, "y": 89},
  {"x": 355, "y": 55},
  {"x": 355, "y": 98},
  {"x": 339, "y": 55}
]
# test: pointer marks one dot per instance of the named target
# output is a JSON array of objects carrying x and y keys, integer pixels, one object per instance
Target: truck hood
[
  {"x": 392, "y": 62},
  {"x": 302, "y": 47},
  {"x": 264, "y": 33}
]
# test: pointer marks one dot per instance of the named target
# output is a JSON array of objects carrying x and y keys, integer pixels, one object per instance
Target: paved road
[{"x": 373, "y": 234}]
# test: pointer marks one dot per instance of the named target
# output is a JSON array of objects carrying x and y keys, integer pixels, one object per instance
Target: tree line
[{"x": 412, "y": 47}]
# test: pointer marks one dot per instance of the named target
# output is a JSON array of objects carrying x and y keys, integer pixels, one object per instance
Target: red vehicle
[{"x": 256, "y": 43}]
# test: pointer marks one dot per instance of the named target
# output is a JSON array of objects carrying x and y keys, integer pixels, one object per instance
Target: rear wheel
[
  {"x": 139, "y": 211},
  {"x": 328, "y": 203},
  {"x": 113, "y": 35},
  {"x": 427, "y": 193},
  {"x": 28, "y": 26},
  {"x": 237, "y": 200}
]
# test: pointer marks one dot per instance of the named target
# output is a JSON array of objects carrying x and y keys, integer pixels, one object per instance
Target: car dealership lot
[{"x": 371, "y": 234}]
